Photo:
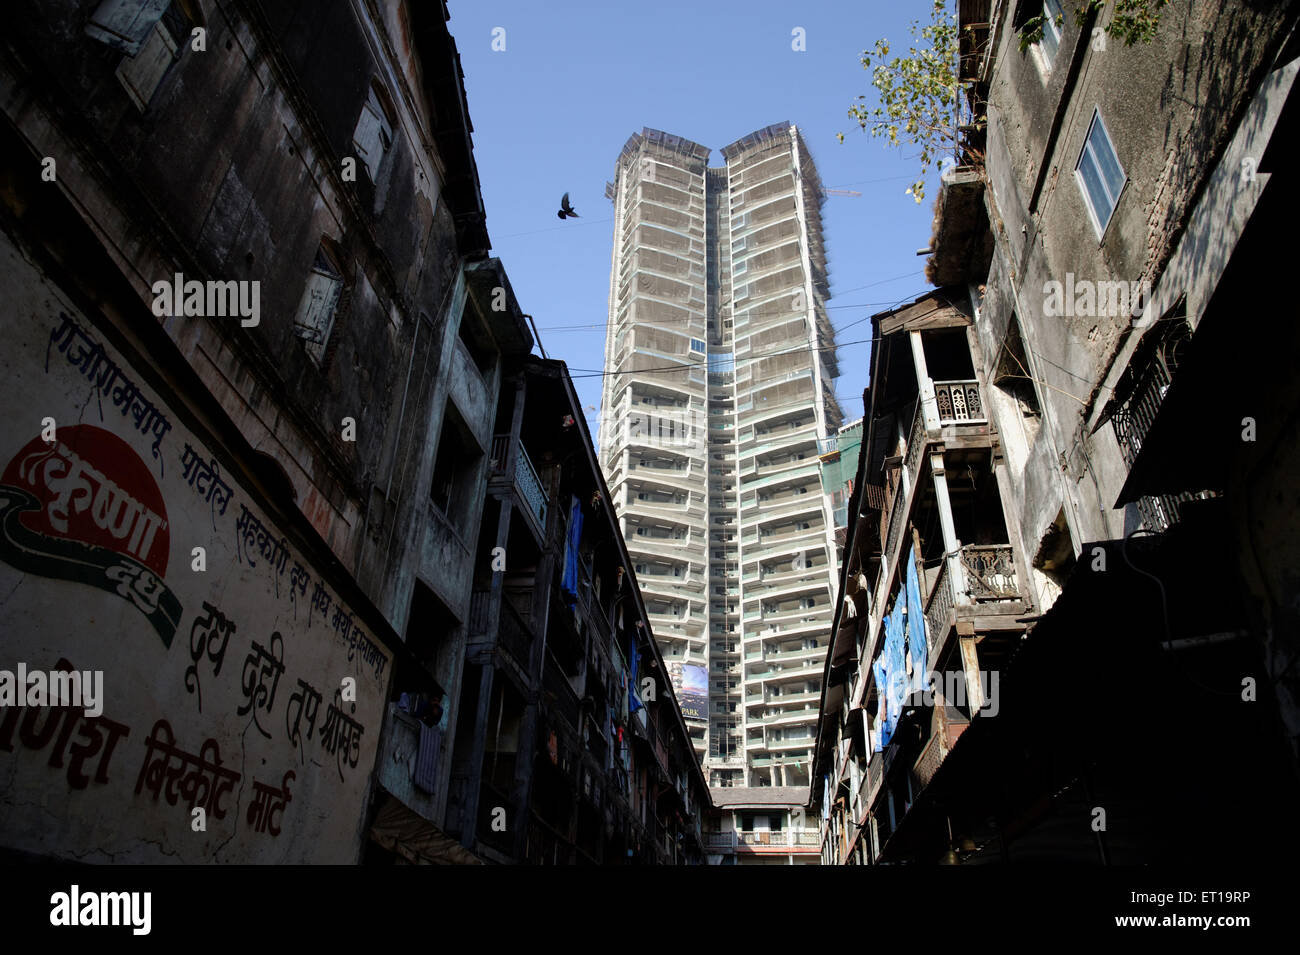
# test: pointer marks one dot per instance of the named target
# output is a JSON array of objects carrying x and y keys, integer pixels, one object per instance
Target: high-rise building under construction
[{"x": 718, "y": 399}]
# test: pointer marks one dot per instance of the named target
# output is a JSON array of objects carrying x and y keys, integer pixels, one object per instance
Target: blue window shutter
[{"x": 125, "y": 24}]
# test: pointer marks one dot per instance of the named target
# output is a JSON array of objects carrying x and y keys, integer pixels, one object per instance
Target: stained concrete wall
[{"x": 1170, "y": 108}]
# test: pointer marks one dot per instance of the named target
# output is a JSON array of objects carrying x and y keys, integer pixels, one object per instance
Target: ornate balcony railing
[
  {"x": 760, "y": 837},
  {"x": 526, "y": 479},
  {"x": 990, "y": 572},
  {"x": 959, "y": 402},
  {"x": 875, "y": 775},
  {"x": 530, "y": 486},
  {"x": 916, "y": 442},
  {"x": 927, "y": 764},
  {"x": 895, "y": 520},
  {"x": 938, "y": 611}
]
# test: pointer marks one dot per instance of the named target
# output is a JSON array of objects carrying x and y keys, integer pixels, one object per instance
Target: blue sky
[{"x": 552, "y": 111}]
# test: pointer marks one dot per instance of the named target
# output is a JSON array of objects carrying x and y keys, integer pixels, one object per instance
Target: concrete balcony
[
  {"x": 774, "y": 583},
  {"x": 680, "y": 479},
  {"x": 682, "y": 548},
  {"x": 796, "y": 504},
  {"x": 664, "y": 510},
  {"x": 801, "y": 840},
  {"x": 783, "y": 699},
  {"x": 813, "y": 655},
  {"x": 796, "y": 613},
  {"x": 796, "y": 628},
  {"x": 669, "y": 588},
  {"x": 787, "y": 542},
  {"x": 787, "y": 717},
  {"x": 810, "y": 583}
]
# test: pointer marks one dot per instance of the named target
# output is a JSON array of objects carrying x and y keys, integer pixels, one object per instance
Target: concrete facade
[{"x": 719, "y": 402}]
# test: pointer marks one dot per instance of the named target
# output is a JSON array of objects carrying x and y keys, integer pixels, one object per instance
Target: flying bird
[{"x": 566, "y": 210}]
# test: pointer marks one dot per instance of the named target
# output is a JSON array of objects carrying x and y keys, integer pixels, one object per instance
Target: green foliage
[
  {"x": 1135, "y": 21},
  {"x": 918, "y": 93}
]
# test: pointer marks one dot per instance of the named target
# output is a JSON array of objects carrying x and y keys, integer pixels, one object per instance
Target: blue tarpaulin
[
  {"x": 569, "y": 581},
  {"x": 634, "y": 690},
  {"x": 916, "y": 638},
  {"x": 891, "y": 675}
]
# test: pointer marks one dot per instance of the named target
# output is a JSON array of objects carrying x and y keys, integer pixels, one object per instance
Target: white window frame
[
  {"x": 320, "y": 298},
  {"x": 1089, "y": 146},
  {"x": 126, "y": 25},
  {"x": 373, "y": 136},
  {"x": 1051, "y": 32},
  {"x": 142, "y": 74}
]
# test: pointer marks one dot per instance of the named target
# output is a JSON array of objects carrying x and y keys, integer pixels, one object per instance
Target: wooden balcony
[
  {"x": 959, "y": 402},
  {"x": 526, "y": 480},
  {"x": 935, "y": 752}
]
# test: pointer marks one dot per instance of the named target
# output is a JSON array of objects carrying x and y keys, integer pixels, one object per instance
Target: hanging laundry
[
  {"x": 917, "y": 640},
  {"x": 634, "y": 701},
  {"x": 569, "y": 580}
]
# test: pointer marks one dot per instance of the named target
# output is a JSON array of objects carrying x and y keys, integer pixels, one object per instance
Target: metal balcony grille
[{"x": 1143, "y": 389}]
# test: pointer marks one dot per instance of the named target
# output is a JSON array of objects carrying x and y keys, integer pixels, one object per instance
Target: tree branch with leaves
[
  {"x": 920, "y": 94},
  {"x": 1135, "y": 21}
]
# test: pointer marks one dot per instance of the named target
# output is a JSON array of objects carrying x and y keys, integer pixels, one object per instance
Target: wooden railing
[
  {"x": 990, "y": 572},
  {"x": 938, "y": 611},
  {"x": 927, "y": 764},
  {"x": 916, "y": 442},
  {"x": 514, "y": 634},
  {"x": 565, "y": 701}
]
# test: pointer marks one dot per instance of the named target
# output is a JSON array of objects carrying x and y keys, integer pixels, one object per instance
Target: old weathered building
[
  {"x": 265, "y": 391},
  {"x": 1066, "y": 615},
  {"x": 761, "y": 825},
  {"x": 571, "y": 746}
]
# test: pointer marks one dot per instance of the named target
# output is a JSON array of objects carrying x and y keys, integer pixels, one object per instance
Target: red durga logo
[
  {"x": 95, "y": 489},
  {"x": 85, "y": 508}
]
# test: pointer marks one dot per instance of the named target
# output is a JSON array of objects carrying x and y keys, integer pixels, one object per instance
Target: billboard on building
[
  {"x": 229, "y": 700},
  {"x": 691, "y": 684}
]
